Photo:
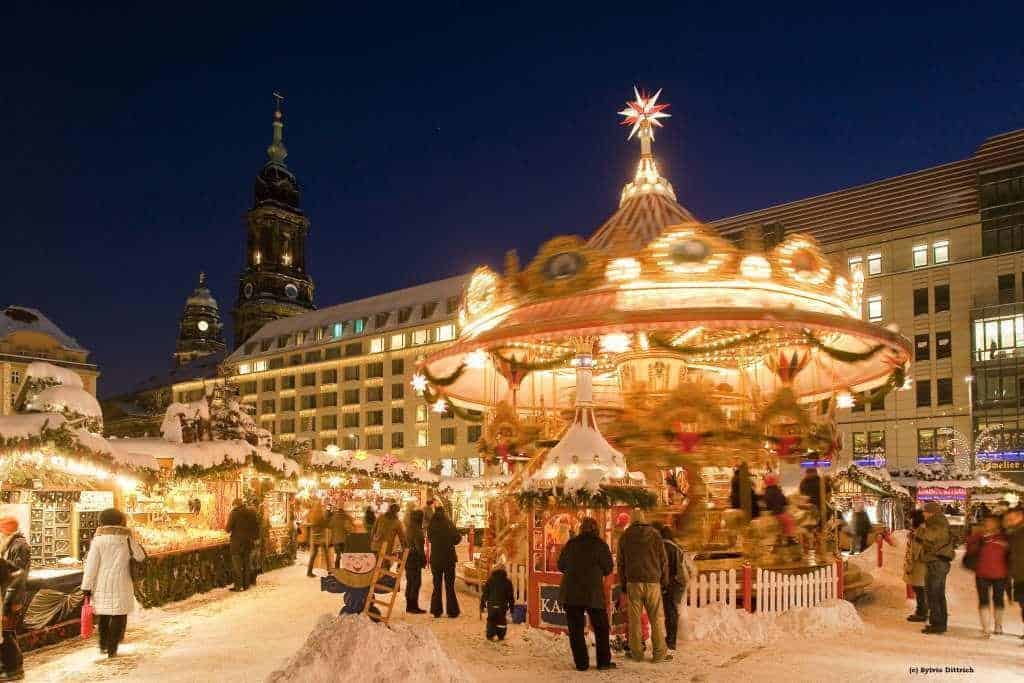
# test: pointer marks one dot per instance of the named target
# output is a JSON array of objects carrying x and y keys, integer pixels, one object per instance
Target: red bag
[{"x": 86, "y": 619}]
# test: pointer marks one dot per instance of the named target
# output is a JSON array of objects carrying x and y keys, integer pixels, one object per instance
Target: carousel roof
[{"x": 653, "y": 280}]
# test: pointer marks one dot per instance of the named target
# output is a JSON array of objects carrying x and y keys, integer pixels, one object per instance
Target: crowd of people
[{"x": 994, "y": 553}]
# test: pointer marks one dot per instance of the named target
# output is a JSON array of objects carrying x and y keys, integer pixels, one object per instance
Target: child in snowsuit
[{"x": 497, "y": 597}]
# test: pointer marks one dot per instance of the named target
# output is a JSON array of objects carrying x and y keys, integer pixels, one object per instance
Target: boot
[
  {"x": 983, "y": 618},
  {"x": 998, "y": 617}
]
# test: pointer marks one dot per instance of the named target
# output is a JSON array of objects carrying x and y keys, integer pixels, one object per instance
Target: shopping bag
[{"x": 86, "y": 618}]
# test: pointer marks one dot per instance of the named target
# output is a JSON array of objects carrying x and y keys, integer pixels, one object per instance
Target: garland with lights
[
  {"x": 377, "y": 472},
  {"x": 230, "y": 466},
  {"x": 657, "y": 342},
  {"x": 524, "y": 367},
  {"x": 446, "y": 381},
  {"x": 606, "y": 497},
  {"x": 841, "y": 355},
  {"x": 463, "y": 414}
]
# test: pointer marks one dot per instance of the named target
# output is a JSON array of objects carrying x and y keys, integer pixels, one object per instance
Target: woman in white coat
[{"x": 108, "y": 577}]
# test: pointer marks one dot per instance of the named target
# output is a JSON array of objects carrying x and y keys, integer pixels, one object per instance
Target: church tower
[
  {"x": 200, "y": 332},
  {"x": 274, "y": 283}
]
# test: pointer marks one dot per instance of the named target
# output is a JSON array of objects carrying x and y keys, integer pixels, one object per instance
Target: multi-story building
[
  {"x": 26, "y": 335},
  {"x": 941, "y": 251},
  {"x": 341, "y": 376}
]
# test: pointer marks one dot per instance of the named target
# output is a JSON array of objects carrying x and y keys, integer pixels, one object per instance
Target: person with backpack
[
  {"x": 987, "y": 556},
  {"x": 937, "y": 553},
  {"x": 672, "y": 594}
]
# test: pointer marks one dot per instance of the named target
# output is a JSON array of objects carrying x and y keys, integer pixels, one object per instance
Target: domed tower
[
  {"x": 201, "y": 331},
  {"x": 274, "y": 283}
]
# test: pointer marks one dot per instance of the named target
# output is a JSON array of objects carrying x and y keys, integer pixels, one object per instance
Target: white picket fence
[
  {"x": 772, "y": 592},
  {"x": 780, "y": 592}
]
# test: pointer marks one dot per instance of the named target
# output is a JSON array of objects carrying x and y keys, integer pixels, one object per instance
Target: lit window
[
  {"x": 419, "y": 337},
  {"x": 397, "y": 341},
  {"x": 476, "y": 467},
  {"x": 874, "y": 264},
  {"x": 421, "y": 412},
  {"x": 15, "y": 376},
  {"x": 856, "y": 263},
  {"x": 244, "y": 369},
  {"x": 447, "y": 466},
  {"x": 940, "y": 251},
  {"x": 377, "y": 345},
  {"x": 920, "y": 255},
  {"x": 337, "y": 330},
  {"x": 445, "y": 333},
  {"x": 875, "y": 308},
  {"x": 422, "y": 438},
  {"x": 358, "y": 325},
  {"x": 259, "y": 366}
]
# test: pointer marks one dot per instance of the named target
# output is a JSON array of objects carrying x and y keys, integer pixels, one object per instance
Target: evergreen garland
[
  {"x": 657, "y": 342},
  {"x": 839, "y": 354},
  {"x": 444, "y": 381},
  {"x": 430, "y": 397},
  {"x": 516, "y": 366},
  {"x": 607, "y": 496}
]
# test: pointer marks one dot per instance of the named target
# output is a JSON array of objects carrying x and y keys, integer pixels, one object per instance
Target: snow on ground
[{"x": 223, "y": 636}]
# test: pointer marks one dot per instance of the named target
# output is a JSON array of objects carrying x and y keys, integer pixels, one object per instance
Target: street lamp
[{"x": 969, "y": 379}]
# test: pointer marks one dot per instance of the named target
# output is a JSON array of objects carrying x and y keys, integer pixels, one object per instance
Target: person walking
[
  {"x": 584, "y": 562},
  {"x": 672, "y": 594},
  {"x": 387, "y": 531},
  {"x": 244, "y": 527},
  {"x": 339, "y": 524},
  {"x": 914, "y": 568},
  {"x": 443, "y": 538},
  {"x": 107, "y": 578},
  {"x": 414, "y": 564},
  {"x": 1013, "y": 522},
  {"x": 14, "y": 548},
  {"x": 861, "y": 528},
  {"x": 369, "y": 519},
  {"x": 316, "y": 520},
  {"x": 497, "y": 597},
  {"x": 987, "y": 555},
  {"x": 937, "y": 553},
  {"x": 643, "y": 572}
]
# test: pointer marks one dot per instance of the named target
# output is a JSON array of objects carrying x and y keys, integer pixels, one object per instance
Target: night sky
[{"x": 431, "y": 138}]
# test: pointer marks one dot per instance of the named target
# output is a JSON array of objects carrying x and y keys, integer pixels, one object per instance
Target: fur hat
[{"x": 8, "y": 525}]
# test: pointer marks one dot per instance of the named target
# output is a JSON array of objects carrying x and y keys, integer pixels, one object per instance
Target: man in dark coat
[
  {"x": 672, "y": 594},
  {"x": 812, "y": 486},
  {"x": 584, "y": 562},
  {"x": 14, "y": 549},
  {"x": 498, "y": 597},
  {"x": 861, "y": 524},
  {"x": 244, "y": 527},
  {"x": 937, "y": 554},
  {"x": 443, "y": 538},
  {"x": 643, "y": 573},
  {"x": 414, "y": 564}
]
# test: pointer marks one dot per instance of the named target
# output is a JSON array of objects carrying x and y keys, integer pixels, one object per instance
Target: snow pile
[
  {"x": 726, "y": 624},
  {"x": 28, "y": 425},
  {"x": 53, "y": 375},
  {"x": 354, "y": 648},
  {"x": 65, "y": 399},
  {"x": 170, "y": 428},
  {"x": 888, "y": 588},
  {"x": 140, "y": 452}
]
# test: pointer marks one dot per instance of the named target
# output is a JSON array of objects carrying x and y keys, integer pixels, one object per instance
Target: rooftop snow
[{"x": 20, "y": 318}]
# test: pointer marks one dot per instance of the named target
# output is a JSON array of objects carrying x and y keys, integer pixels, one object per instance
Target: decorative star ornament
[
  {"x": 644, "y": 112},
  {"x": 419, "y": 383}
]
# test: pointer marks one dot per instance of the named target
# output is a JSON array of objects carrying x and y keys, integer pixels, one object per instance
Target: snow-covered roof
[
  {"x": 436, "y": 292},
  {"x": 470, "y": 483},
  {"x": 878, "y": 475},
  {"x": 24, "y": 425},
  {"x": 363, "y": 462},
  {"x": 60, "y": 398},
  {"x": 23, "y": 318},
  {"x": 41, "y": 370},
  {"x": 142, "y": 452}
]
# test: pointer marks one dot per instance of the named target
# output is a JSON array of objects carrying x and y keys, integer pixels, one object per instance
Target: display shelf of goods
[
  {"x": 88, "y": 522},
  {"x": 177, "y": 537}
]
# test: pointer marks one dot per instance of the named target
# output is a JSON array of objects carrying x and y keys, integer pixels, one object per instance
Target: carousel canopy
[{"x": 750, "y": 318}]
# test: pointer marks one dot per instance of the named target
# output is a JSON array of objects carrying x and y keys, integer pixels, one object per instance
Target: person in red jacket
[{"x": 988, "y": 551}]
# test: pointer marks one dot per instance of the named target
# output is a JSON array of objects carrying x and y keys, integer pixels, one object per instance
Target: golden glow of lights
[
  {"x": 623, "y": 269},
  {"x": 419, "y": 383},
  {"x": 551, "y": 472},
  {"x": 440, "y": 405},
  {"x": 845, "y": 400},
  {"x": 688, "y": 242},
  {"x": 616, "y": 342},
  {"x": 476, "y": 360},
  {"x": 573, "y": 471},
  {"x": 755, "y": 267},
  {"x": 801, "y": 261}
]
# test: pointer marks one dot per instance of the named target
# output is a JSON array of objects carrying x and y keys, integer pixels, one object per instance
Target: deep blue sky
[{"x": 433, "y": 137}]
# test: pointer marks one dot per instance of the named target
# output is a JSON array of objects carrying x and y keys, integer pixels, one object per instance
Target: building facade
[
  {"x": 26, "y": 335},
  {"x": 941, "y": 253},
  {"x": 342, "y": 376},
  {"x": 274, "y": 282}
]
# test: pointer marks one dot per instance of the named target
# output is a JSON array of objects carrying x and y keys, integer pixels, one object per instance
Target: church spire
[{"x": 277, "y": 151}]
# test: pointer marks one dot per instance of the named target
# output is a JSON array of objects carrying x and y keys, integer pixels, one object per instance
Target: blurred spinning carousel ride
[{"x": 701, "y": 360}]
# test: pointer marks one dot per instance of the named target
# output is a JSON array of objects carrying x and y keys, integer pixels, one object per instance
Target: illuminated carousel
[{"x": 693, "y": 354}]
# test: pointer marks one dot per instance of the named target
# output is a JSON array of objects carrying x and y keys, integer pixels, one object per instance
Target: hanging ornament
[
  {"x": 419, "y": 383},
  {"x": 439, "y": 406}
]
